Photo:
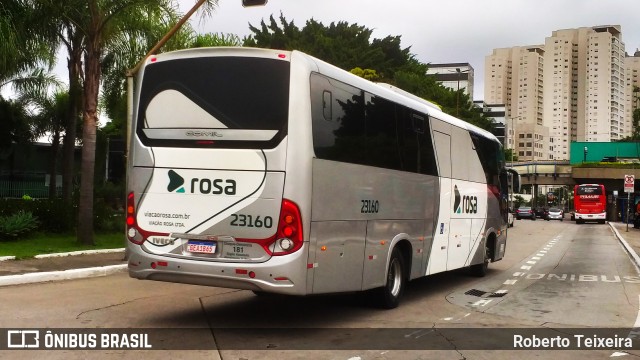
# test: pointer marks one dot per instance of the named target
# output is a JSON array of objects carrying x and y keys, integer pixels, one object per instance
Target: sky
[{"x": 450, "y": 31}]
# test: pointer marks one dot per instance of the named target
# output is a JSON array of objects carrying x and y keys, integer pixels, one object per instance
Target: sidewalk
[
  {"x": 65, "y": 266},
  {"x": 68, "y": 266},
  {"x": 629, "y": 239}
]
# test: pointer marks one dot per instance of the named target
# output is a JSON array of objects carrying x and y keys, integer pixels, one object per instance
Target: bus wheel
[
  {"x": 389, "y": 295},
  {"x": 481, "y": 269}
]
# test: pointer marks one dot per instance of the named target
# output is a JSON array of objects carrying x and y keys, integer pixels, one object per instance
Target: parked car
[
  {"x": 541, "y": 212},
  {"x": 525, "y": 212},
  {"x": 555, "y": 214}
]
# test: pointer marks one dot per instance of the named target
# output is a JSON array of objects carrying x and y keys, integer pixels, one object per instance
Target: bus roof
[{"x": 386, "y": 91}]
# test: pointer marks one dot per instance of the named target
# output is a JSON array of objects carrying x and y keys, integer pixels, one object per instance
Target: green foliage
[
  {"x": 14, "y": 124},
  {"x": 368, "y": 74},
  {"x": 341, "y": 44},
  {"x": 17, "y": 225},
  {"x": 215, "y": 39},
  {"x": 613, "y": 165},
  {"x": 106, "y": 219},
  {"x": 518, "y": 201},
  {"x": 508, "y": 153},
  {"x": 53, "y": 214}
]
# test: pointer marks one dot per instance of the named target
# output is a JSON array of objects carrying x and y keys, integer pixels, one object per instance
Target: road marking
[
  {"x": 633, "y": 333},
  {"x": 484, "y": 302},
  {"x": 618, "y": 353},
  {"x": 420, "y": 333},
  {"x": 536, "y": 258},
  {"x": 525, "y": 267},
  {"x": 516, "y": 274},
  {"x": 531, "y": 262},
  {"x": 501, "y": 292},
  {"x": 539, "y": 254},
  {"x": 509, "y": 282}
]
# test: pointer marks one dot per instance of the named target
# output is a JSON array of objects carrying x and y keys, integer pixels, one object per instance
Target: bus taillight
[
  {"x": 289, "y": 234},
  {"x": 134, "y": 233}
]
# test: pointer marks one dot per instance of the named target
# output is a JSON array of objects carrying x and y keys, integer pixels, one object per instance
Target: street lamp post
[
  {"x": 586, "y": 150},
  {"x": 458, "y": 93}
]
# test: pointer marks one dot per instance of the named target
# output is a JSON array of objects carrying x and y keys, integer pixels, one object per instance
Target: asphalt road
[{"x": 556, "y": 275}]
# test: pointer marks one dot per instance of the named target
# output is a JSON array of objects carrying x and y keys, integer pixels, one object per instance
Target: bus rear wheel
[
  {"x": 481, "y": 269},
  {"x": 388, "y": 296}
]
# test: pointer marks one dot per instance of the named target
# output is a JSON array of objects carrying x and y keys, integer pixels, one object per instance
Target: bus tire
[
  {"x": 481, "y": 269},
  {"x": 388, "y": 296}
]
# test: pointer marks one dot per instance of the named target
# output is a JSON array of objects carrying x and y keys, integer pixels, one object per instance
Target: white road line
[
  {"x": 540, "y": 254},
  {"x": 516, "y": 274},
  {"x": 482, "y": 302},
  {"x": 509, "y": 282},
  {"x": 531, "y": 262},
  {"x": 536, "y": 258},
  {"x": 525, "y": 267}
]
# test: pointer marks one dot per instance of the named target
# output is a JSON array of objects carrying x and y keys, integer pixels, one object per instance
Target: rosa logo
[
  {"x": 467, "y": 204},
  {"x": 456, "y": 203},
  {"x": 175, "y": 182}
]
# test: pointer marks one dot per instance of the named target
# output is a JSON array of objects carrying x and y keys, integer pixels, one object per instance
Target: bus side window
[
  {"x": 327, "y": 105},
  {"x": 418, "y": 123}
]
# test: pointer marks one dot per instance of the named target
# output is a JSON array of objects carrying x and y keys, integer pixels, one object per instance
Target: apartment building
[
  {"x": 572, "y": 88},
  {"x": 514, "y": 77},
  {"x": 632, "y": 73}
]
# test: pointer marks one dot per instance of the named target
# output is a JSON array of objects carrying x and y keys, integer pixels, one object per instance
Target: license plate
[{"x": 201, "y": 247}]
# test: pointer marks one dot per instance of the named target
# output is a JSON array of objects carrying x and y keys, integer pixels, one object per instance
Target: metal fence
[{"x": 20, "y": 188}]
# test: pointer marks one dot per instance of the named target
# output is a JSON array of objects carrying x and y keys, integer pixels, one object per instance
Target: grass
[
  {"x": 613, "y": 165},
  {"x": 41, "y": 243}
]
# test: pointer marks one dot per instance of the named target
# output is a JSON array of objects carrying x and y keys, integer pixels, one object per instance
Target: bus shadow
[{"x": 243, "y": 309}]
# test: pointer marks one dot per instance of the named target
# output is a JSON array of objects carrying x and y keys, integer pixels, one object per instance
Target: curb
[
  {"x": 626, "y": 246},
  {"x": 81, "y": 252},
  {"x": 30, "y": 278}
]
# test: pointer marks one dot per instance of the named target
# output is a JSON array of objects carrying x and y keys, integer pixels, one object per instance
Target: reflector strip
[{"x": 241, "y": 271}]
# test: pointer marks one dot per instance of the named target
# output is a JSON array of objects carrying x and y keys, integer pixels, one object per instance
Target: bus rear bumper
[
  {"x": 591, "y": 217},
  {"x": 280, "y": 274}
]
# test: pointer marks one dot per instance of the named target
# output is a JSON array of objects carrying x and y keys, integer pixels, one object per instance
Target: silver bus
[{"x": 276, "y": 172}]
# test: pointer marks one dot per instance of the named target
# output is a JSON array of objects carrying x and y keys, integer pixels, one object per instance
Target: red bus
[{"x": 590, "y": 203}]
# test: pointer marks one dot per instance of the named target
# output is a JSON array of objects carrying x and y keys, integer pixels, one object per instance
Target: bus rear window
[{"x": 237, "y": 102}]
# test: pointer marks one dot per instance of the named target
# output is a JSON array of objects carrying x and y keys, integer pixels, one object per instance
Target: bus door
[{"x": 440, "y": 248}]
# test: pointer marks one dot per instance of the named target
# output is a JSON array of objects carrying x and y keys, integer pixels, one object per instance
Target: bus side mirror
[{"x": 515, "y": 180}]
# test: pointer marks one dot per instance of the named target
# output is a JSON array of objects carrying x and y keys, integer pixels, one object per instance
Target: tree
[
  {"x": 96, "y": 26},
  {"x": 510, "y": 155},
  {"x": 14, "y": 127},
  {"x": 351, "y": 47},
  {"x": 47, "y": 110},
  {"x": 341, "y": 44}
]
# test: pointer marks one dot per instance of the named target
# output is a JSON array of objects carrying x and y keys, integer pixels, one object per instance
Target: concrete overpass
[{"x": 559, "y": 173}]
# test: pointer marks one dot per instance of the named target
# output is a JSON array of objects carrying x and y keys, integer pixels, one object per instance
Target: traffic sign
[{"x": 629, "y": 183}]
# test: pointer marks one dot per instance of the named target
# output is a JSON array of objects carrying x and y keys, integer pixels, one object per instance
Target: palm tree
[{"x": 102, "y": 21}]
